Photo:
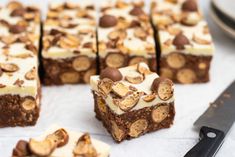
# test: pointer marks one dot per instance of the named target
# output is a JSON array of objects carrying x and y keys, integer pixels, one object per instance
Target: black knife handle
[{"x": 210, "y": 141}]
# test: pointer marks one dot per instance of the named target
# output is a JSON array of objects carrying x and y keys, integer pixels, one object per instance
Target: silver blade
[{"x": 221, "y": 114}]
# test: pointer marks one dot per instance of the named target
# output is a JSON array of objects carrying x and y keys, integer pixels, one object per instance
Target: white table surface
[{"x": 72, "y": 107}]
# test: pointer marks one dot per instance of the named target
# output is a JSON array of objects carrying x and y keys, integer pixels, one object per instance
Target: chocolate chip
[
  {"x": 88, "y": 45},
  {"x": 15, "y": 29},
  {"x": 134, "y": 23},
  {"x": 136, "y": 11},
  {"x": 55, "y": 32},
  {"x": 108, "y": 21},
  {"x": 190, "y": 5},
  {"x": 180, "y": 41},
  {"x": 55, "y": 39},
  {"x": 111, "y": 73},
  {"x": 31, "y": 47},
  {"x": 31, "y": 9},
  {"x": 18, "y": 12}
]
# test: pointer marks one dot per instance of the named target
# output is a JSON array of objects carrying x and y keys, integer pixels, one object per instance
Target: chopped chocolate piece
[{"x": 18, "y": 12}]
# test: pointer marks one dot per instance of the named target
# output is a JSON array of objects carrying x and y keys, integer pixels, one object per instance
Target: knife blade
[{"x": 215, "y": 123}]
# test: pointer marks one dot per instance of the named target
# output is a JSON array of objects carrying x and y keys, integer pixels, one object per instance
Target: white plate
[
  {"x": 226, "y": 6},
  {"x": 228, "y": 30}
]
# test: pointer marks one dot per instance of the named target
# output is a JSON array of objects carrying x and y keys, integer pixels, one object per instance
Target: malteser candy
[
  {"x": 45, "y": 147},
  {"x": 9, "y": 67},
  {"x": 135, "y": 79},
  {"x": 41, "y": 148},
  {"x": 108, "y": 21},
  {"x": 163, "y": 87},
  {"x": 21, "y": 149},
  {"x": 136, "y": 60},
  {"x": 31, "y": 75},
  {"x": 70, "y": 77},
  {"x": 117, "y": 133},
  {"x": 115, "y": 60},
  {"x": 81, "y": 63},
  {"x": 160, "y": 113},
  {"x": 16, "y": 29},
  {"x": 128, "y": 102},
  {"x": 136, "y": 11},
  {"x": 150, "y": 97},
  {"x": 138, "y": 127},
  {"x": 88, "y": 74},
  {"x": 28, "y": 104},
  {"x": 101, "y": 105},
  {"x": 111, "y": 73},
  {"x": 200, "y": 41},
  {"x": 105, "y": 86},
  {"x": 186, "y": 76},
  {"x": 175, "y": 60},
  {"x": 60, "y": 137},
  {"x": 190, "y": 5},
  {"x": 84, "y": 147},
  {"x": 180, "y": 41},
  {"x": 120, "y": 89}
]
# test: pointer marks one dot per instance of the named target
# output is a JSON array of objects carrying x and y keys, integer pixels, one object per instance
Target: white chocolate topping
[{"x": 82, "y": 20}]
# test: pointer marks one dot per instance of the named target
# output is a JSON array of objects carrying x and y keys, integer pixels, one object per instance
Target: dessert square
[
  {"x": 61, "y": 142},
  {"x": 132, "y": 101},
  {"x": 185, "y": 41},
  {"x": 19, "y": 80},
  {"x": 125, "y": 35},
  {"x": 69, "y": 43}
]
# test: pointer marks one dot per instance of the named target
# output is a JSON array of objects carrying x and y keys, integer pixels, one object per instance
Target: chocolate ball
[
  {"x": 107, "y": 21},
  {"x": 180, "y": 41},
  {"x": 111, "y": 73},
  {"x": 136, "y": 11},
  {"x": 161, "y": 80},
  {"x": 190, "y": 5}
]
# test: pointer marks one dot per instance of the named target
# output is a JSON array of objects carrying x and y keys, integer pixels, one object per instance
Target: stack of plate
[{"x": 223, "y": 13}]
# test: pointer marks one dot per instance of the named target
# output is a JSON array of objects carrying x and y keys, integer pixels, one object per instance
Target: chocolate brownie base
[
  {"x": 18, "y": 111},
  {"x": 68, "y": 71},
  {"x": 185, "y": 69},
  {"x": 134, "y": 123},
  {"x": 118, "y": 60}
]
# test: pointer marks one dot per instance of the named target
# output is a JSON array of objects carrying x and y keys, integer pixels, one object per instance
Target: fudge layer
[
  {"x": 19, "y": 80},
  {"x": 132, "y": 101},
  {"x": 61, "y": 142},
  {"x": 69, "y": 43},
  {"x": 125, "y": 35},
  {"x": 185, "y": 41}
]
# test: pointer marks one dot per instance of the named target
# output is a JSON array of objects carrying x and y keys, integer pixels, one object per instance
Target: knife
[{"x": 214, "y": 124}]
